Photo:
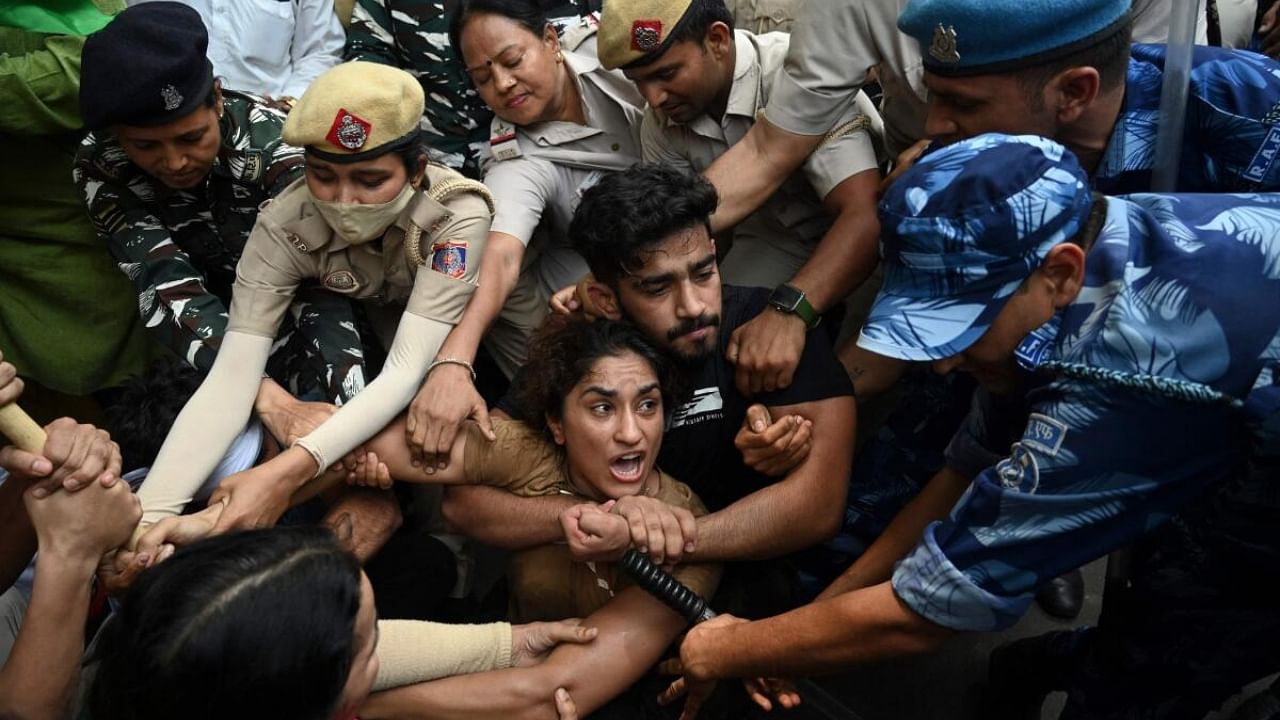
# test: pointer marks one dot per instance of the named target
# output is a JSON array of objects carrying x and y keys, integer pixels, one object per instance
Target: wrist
[
  {"x": 296, "y": 466},
  {"x": 270, "y": 398},
  {"x": 69, "y": 561},
  {"x": 791, "y": 300}
]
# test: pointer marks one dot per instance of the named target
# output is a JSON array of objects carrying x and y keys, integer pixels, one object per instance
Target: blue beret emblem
[{"x": 943, "y": 48}]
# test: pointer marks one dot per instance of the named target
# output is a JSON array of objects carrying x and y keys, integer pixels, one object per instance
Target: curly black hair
[{"x": 565, "y": 348}]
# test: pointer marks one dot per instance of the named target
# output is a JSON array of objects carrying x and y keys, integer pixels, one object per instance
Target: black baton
[{"x": 694, "y": 608}]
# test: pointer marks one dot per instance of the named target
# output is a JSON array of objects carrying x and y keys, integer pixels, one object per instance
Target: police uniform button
[{"x": 615, "y": 147}]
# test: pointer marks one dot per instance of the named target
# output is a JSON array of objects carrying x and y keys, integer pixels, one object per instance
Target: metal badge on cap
[
  {"x": 646, "y": 35},
  {"x": 943, "y": 48},
  {"x": 172, "y": 98},
  {"x": 348, "y": 131}
]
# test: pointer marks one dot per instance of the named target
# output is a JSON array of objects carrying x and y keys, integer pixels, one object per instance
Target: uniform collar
[{"x": 586, "y": 70}]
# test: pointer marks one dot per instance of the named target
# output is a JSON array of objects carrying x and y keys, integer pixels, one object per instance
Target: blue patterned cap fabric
[
  {"x": 961, "y": 231},
  {"x": 973, "y": 37}
]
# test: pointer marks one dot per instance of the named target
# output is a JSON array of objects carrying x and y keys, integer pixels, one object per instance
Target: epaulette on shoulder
[
  {"x": 451, "y": 188},
  {"x": 442, "y": 192}
]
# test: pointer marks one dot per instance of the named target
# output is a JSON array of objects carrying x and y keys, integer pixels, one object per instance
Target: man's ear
[
  {"x": 601, "y": 300},
  {"x": 557, "y": 430},
  {"x": 1063, "y": 273},
  {"x": 719, "y": 39},
  {"x": 1072, "y": 91}
]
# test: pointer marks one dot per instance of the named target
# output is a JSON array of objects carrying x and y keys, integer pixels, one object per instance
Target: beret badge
[
  {"x": 172, "y": 98},
  {"x": 646, "y": 35},
  {"x": 348, "y": 131},
  {"x": 943, "y": 48}
]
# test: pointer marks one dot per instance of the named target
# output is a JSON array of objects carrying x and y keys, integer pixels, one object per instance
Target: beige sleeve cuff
[{"x": 414, "y": 651}]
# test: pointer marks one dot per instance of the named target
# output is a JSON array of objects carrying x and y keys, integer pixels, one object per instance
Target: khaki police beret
[
  {"x": 631, "y": 30},
  {"x": 355, "y": 111}
]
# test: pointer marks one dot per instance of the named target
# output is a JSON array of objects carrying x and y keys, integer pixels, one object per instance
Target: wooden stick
[{"x": 18, "y": 426}]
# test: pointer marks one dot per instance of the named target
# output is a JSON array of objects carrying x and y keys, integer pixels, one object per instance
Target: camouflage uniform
[
  {"x": 180, "y": 249},
  {"x": 414, "y": 35}
]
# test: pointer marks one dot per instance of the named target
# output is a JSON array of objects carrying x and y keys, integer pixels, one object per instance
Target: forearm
[
  {"x": 754, "y": 168},
  {"x": 453, "y": 650},
  {"x": 417, "y": 340},
  {"x": 848, "y": 252},
  {"x": 633, "y": 630},
  {"x": 773, "y": 521},
  {"x": 875, "y": 566},
  {"x": 802, "y": 509},
  {"x": 825, "y": 636},
  {"x": 38, "y": 679},
  {"x": 17, "y": 536},
  {"x": 498, "y": 518},
  {"x": 205, "y": 428},
  {"x": 500, "y": 271}
]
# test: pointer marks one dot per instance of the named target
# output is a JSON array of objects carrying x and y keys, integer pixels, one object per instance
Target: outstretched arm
[
  {"x": 632, "y": 631},
  {"x": 754, "y": 168}
]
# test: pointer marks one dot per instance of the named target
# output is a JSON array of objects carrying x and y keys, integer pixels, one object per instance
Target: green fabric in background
[
  {"x": 68, "y": 316},
  {"x": 59, "y": 17}
]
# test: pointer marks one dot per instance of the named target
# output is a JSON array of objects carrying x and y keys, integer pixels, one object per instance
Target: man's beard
[{"x": 703, "y": 349}]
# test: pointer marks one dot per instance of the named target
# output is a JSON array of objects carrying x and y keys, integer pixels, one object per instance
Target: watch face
[{"x": 785, "y": 297}]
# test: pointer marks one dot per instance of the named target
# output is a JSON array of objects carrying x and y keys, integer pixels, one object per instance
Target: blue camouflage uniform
[
  {"x": 1229, "y": 143},
  {"x": 1139, "y": 397},
  {"x": 1231, "y": 138}
]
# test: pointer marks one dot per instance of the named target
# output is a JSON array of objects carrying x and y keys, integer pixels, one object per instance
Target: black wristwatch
[{"x": 790, "y": 299}]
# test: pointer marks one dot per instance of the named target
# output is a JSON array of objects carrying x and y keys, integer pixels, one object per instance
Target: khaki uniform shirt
[
  {"x": 794, "y": 213},
  {"x": 762, "y": 16},
  {"x": 558, "y": 161},
  {"x": 546, "y": 582},
  {"x": 834, "y": 45},
  {"x": 292, "y": 244}
]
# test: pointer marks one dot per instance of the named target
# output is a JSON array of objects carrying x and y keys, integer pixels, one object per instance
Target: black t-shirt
[{"x": 697, "y": 447}]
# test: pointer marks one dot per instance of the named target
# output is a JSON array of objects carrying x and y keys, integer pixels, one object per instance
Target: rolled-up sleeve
[
  {"x": 828, "y": 61},
  {"x": 1088, "y": 475}
]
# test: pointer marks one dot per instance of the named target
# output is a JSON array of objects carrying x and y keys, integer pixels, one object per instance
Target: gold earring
[{"x": 559, "y": 56}]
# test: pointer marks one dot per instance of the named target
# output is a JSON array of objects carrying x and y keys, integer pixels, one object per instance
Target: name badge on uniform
[{"x": 503, "y": 143}]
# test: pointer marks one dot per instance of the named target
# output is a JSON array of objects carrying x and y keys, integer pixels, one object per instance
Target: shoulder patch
[
  {"x": 449, "y": 258},
  {"x": 254, "y": 164},
  {"x": 1044, "y": 434}
]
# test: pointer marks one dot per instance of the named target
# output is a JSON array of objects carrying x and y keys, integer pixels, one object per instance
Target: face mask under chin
[{"x": 356, "y": 223}]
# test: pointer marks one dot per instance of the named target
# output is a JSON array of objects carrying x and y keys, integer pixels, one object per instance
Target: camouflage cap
[
  {"x": 147, "y": 67},
  {"x": 632, "y": 30},
  {"x": 356, "y": 111},
  {"x": 961, "y": 231}
]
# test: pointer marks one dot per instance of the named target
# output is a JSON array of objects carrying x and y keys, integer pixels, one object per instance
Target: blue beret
[
  {"x": 147, "y": 67},
  {"x": 960, "y": 231},
  {"x": 978, "y": 37}
]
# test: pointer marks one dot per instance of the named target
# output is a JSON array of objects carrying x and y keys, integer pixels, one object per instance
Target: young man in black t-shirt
[{"x": 644, "y": 234}]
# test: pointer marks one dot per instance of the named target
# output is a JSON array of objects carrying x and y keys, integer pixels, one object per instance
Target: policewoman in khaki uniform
[
  {"x": 562, "y": 122},
  {"x": 370, "y": 219}
]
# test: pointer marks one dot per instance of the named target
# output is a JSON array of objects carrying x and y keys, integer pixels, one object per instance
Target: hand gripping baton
[{"x": 694, "y": 608}]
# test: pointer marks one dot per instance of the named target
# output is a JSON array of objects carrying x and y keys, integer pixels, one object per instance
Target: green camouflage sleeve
[
  {"x": 256, "y": 154},
  {"x": 369, "y": 37},
  {"x": 174, "y": 304}
]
